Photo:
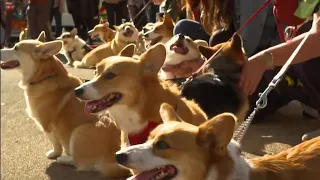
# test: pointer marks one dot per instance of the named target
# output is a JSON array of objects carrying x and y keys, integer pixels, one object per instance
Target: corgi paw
[
  {"x": 53, "y": 154},
  {"x": 66, "y": 160}
]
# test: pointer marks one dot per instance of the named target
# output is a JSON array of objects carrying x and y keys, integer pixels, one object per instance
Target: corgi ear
[
  {"x": 217, "y": 133},
  {"x": 49, "y": 48},
  {"x": 167, "y": 20},
  {"x": 168, "y": 114},
  {"x": 159, "y": 18},
  {"x": 236, "y": 42},
  {"x": 106, "y": 25},
  {"x": 117, "y": 28},
  {"x": 153, "y": 59},
  {"x": 42, "y": 37},
  {"x": 208, "y": 51},
  {"x": 74, "y": 32},
  {"x": 128, "y": 51},
  {"x": 200, "y": 42}
]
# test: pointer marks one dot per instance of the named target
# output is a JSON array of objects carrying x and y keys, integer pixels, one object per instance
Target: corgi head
[
  {"x": 180, "y": 151},
  {"x": 70, "y": 39},
  {"x": 121, "y": 82},
  {"x": 183, "y": 56},
  {"x": 160, "y": 31},
  {"x": 32, "y": 58},
  {"x": 101, "y": 31},
  {"x": 229, "y": 61},
  {"x": 127, "y": 32}
]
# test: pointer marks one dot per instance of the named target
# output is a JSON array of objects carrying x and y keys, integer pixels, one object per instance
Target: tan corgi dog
[
  {"x": 177, "y": 150},
  {"x": 159, "y": 32},
  {"x": 130, "y": 91},
  {"x": 103, "y": 32},
  {"x": 52, "y": 104},
  {"x": 126, "y": 34}
]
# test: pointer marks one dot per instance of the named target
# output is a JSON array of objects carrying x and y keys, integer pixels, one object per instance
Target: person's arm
[{"x": 281, "y": 53}]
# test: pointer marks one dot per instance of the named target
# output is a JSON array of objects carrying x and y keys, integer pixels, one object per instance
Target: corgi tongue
[
  {"x": 147, "y": 175},
  {"x": 177, "y": 49}
]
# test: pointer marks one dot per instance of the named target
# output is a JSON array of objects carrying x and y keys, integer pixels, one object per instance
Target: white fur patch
[
  {"x": 141, "y": 158},
  {"x": 89, "y": 91},
  {"x": 126, "y": 118}
]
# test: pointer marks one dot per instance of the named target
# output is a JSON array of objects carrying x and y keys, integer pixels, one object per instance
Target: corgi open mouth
[
  {"x": 94, "y": 36},
  {"x": 107, "y": 101},
  {"x": 9, "y": 64},
  {"x": 179, "y": 47},
  {"x": 161, "y": 173},
  {"x": 128, "y": 33}
]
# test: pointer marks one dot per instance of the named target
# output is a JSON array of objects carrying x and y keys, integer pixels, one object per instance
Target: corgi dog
[
  {"x": 216, "y": 89},
  {"x": 74, "y": 48},
  {"x": 180, "y": 151},
  {"x": 159, "y": 32},
  {"x": 183, "y": 57},
  {"x": 23, "y": 34},
  {"x": 126, "y": 33},
  {"x": 103, "y": 32},
  {"x": 131, "y": 92},
  {"x": 52, "y": 104}
]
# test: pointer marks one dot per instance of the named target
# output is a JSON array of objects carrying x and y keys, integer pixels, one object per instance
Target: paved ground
[{"x": 23, "y": 146}]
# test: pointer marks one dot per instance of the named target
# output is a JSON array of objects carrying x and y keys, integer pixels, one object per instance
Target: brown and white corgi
[
  {"x": 126, "y": 34},
  {"x": 183, "y": 57},
  {"x": 130, "y": 91},
  {"x": 52, "y": 104},
  {"x": 74, "y": 48},
  {"x": 103, "y": 32},
  {"x": 180, "y": 151},
  {"x": 159, "y": 32}
]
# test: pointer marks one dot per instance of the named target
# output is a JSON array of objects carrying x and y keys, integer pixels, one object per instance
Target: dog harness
[{"x": 142, "y": 136}]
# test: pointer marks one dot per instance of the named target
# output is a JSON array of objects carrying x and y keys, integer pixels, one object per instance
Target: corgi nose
[
  {"x": 181, "y": 36},
  {"x": 121, "y": 158},
  {"x": 79, "y": 91}
]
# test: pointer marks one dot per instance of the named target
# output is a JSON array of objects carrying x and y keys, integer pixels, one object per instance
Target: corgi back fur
[
  {"x": 103, "y": 32},
  {"x": 126, "y": 34},
  {"x": 74, "y": 48},
  {"x": 52, "y": 104},
  {"x": 130, "y": 91},
  {"x": 216, "y": 90},
  {"x": 159, "y": 32},
  {"x": 180, "y": 151}
]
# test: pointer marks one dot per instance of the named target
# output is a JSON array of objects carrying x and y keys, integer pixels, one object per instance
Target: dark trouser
[
  {"x": 191, "y": 28},
  {"x": 83, "y": 25},
  {"x": 138, "y": 20},
  {"x": 8, "y": 27},
  {"x": 114, "y": 12},
  {"x": 38, "y": 15},
  {"x": 55, "y": 13},
  {"x": 151, "y": 11}
]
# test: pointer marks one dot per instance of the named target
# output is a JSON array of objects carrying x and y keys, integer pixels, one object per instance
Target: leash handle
[{"x": 144, "y": 7}]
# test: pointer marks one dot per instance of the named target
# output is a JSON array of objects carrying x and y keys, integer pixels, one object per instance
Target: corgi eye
[
  {"x": 109, "y": 75},
  {"x": 95, "y": 72},
  {"x": 162, "y": 145},
  {"x": 16, "y": 48}
]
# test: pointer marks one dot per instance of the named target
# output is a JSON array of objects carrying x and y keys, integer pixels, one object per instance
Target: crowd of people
[{"x": 212, "y": 20}]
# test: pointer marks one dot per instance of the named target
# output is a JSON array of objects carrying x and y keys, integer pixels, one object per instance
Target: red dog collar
[{"x": 142, "y": 136}]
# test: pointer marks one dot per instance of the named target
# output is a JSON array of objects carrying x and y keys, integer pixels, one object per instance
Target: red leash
[{"x": 244, "y": 25}]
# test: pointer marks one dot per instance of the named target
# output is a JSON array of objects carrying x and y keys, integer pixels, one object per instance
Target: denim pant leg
[{"x": 191, "y": 28}]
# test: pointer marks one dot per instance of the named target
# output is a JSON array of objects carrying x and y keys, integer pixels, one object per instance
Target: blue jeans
[{"x": 191, "y": 28}]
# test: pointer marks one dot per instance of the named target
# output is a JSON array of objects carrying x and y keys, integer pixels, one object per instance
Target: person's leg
[
  {"x": 58, "y": 19},
  {"x": 192, "y": 29},
  {"x": 118, "y": 16},
  {"x": 8, "y": 27},
  {"x": 110, "y": 14},
  {"x": 43, "y": 20},
  {"x": 32, "y": 21}
]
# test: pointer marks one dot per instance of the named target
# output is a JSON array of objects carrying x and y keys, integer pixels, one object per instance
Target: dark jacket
[{"x": 83, "y": 8}]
